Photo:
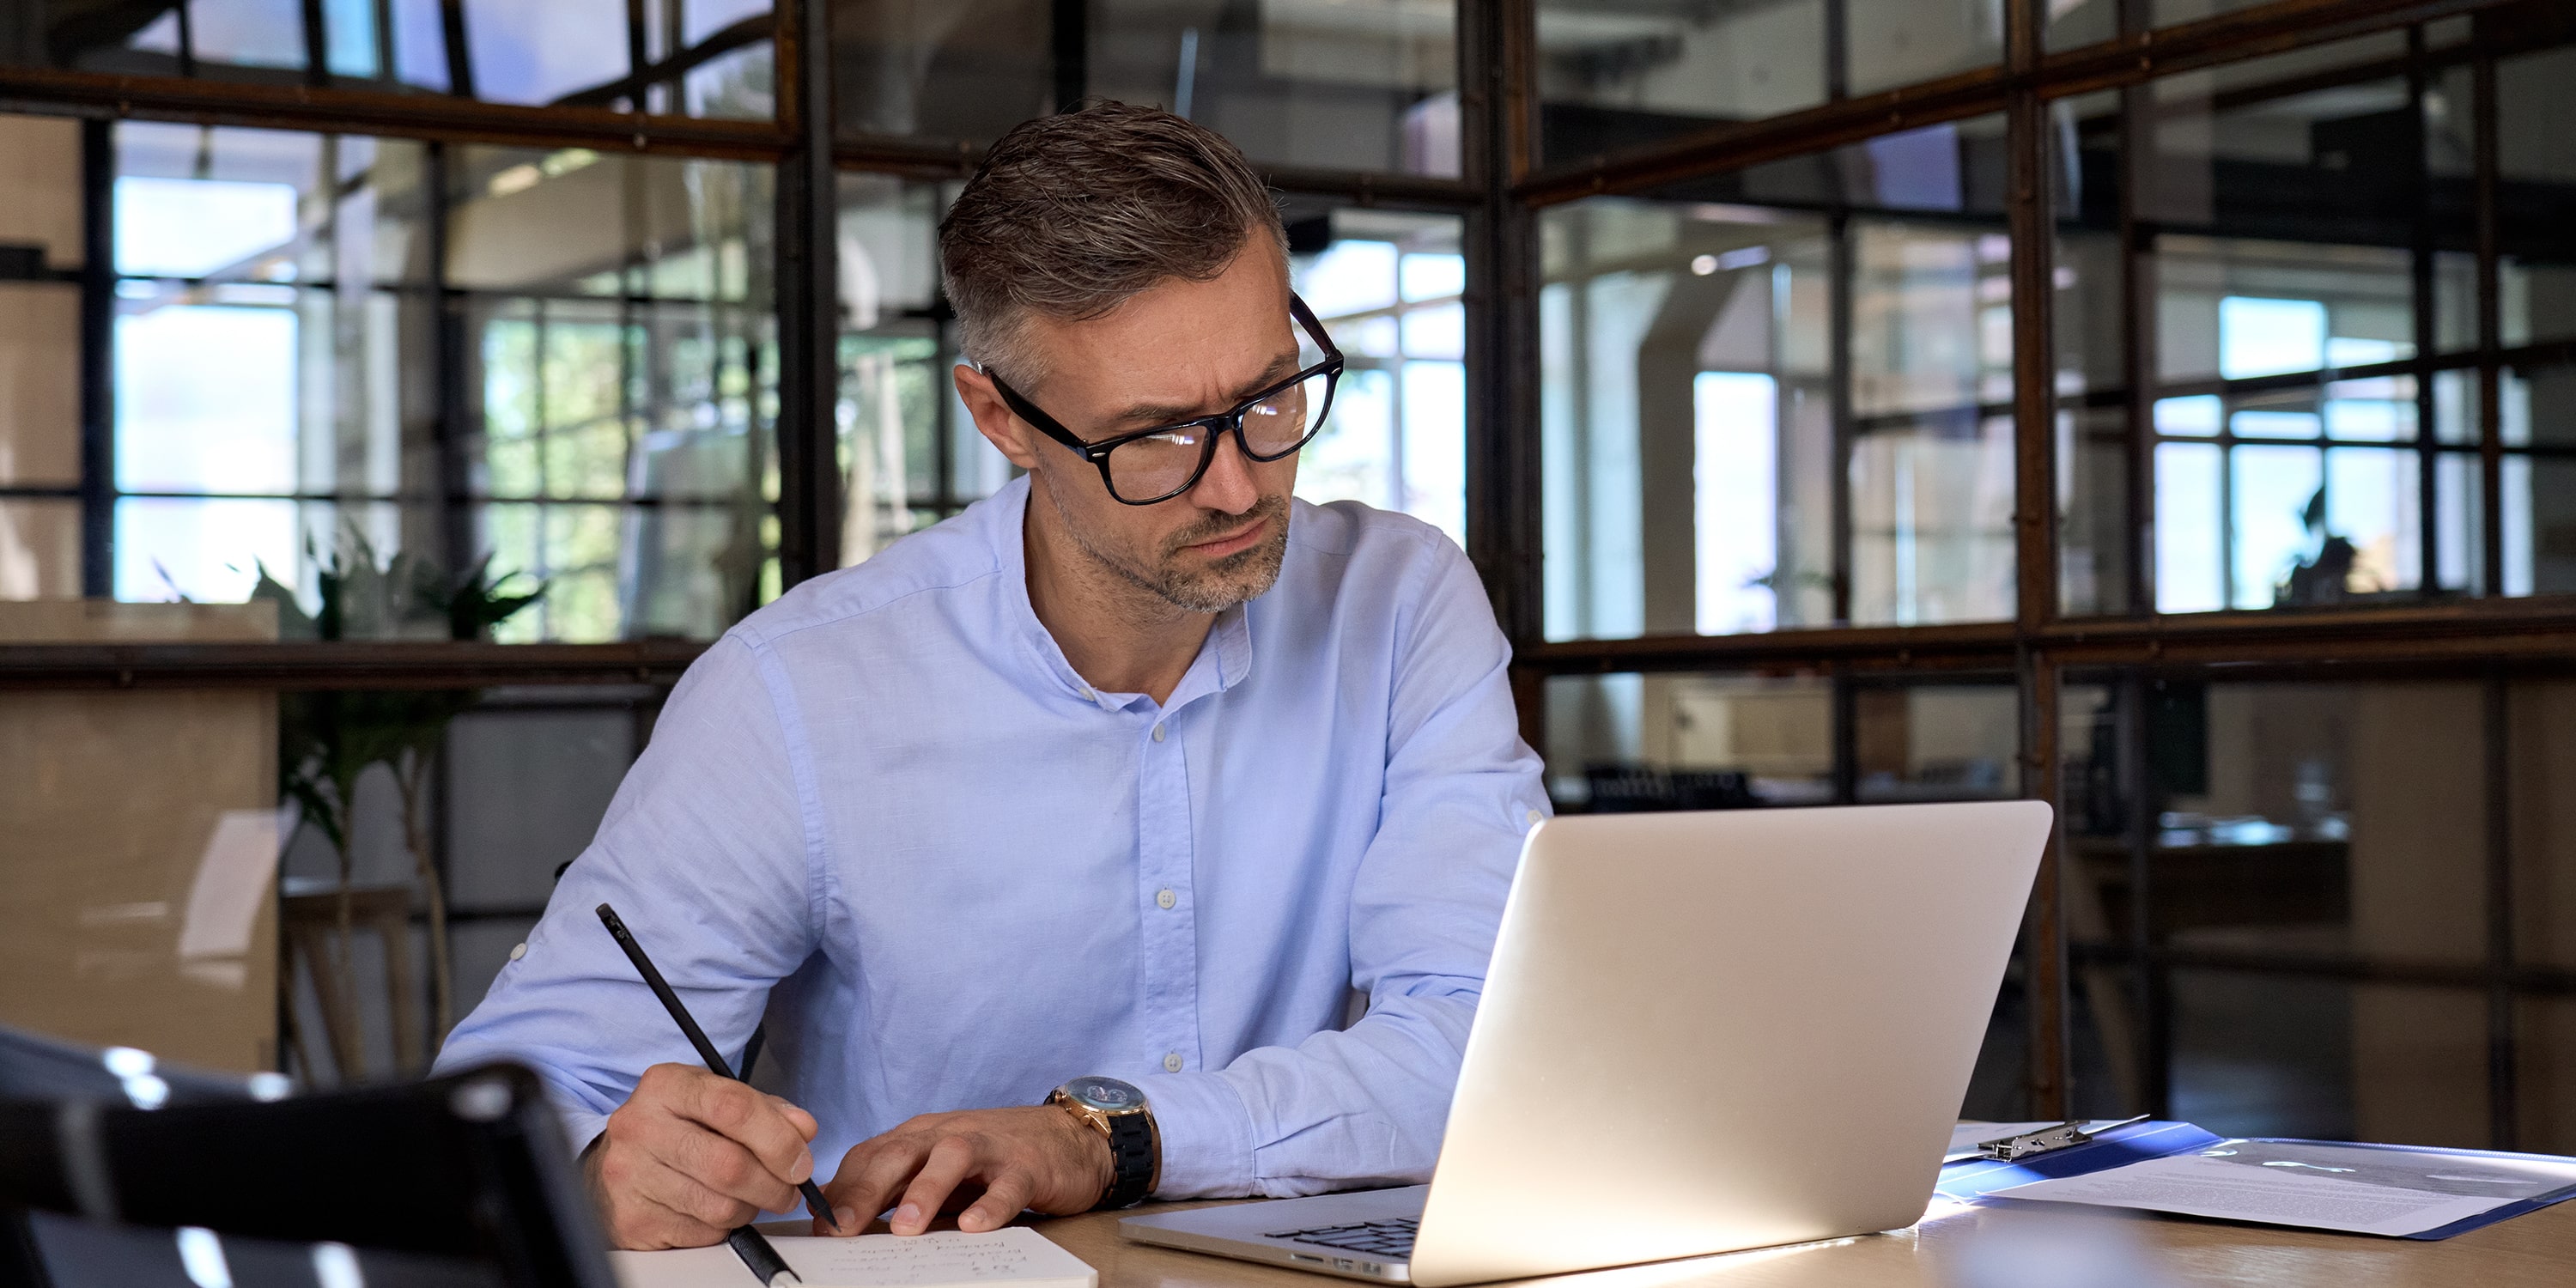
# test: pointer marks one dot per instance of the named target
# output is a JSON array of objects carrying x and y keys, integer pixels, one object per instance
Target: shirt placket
[{"x": 1166, "y": 907}]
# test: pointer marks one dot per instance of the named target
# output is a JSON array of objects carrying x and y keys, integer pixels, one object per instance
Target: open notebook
[{"x": 1015, "y": 1255}]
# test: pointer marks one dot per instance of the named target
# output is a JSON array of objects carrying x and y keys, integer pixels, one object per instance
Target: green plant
[{"x": 328, "y": 739}]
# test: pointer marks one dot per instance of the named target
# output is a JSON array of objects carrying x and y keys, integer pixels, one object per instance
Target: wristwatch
[{"x": 1117, "y": 1110}]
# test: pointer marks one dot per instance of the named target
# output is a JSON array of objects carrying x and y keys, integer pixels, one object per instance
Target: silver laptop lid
[{"x": 1711, "y": 1031}]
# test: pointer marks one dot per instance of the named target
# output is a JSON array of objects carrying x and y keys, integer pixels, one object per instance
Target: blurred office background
[{"x": 2166, "y": 408}]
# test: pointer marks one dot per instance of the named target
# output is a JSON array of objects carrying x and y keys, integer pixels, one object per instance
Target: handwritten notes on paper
[{"x": 1015, "y": 1256}]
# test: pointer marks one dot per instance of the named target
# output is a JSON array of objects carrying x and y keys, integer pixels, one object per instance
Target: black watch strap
[{"x": 1131, "y": 1157}]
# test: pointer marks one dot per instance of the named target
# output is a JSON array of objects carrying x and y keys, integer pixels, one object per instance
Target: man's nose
[{"x": 1227, "y": 487}]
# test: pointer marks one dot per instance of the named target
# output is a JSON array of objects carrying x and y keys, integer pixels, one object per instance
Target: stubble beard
[{"x": 1215, "y": 586}]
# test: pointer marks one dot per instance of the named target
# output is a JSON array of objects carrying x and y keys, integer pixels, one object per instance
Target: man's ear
[{"x": 993, "y": 418}]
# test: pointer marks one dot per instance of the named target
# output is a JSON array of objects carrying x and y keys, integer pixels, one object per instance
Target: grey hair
[{"x": 1071, "y": 214}]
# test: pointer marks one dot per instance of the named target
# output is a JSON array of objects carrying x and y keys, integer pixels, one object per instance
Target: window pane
[
  {"x": 1900, "y": 42},
  {"x": 1691, "y": 462},
  {"x": 1932, "y": 539},
  {"x": 2289, "y": 202},
  {"x": 2534, "y": 167},
  {"x": 2540, "y": 725},
  {"x": 2298, "y": 822},
  {"x": 1685, "y": 374},
  {"x": 702, "y": 57},
  {"x": 1334, "y": 84},
  {"x": 39, "y": 385},
  {"x": 898, "y": 405},
  {"x": 39, "y": 548},
  {"x": 2264, "y": 1055},
  {"x": 2075, "y": 23},
  {"x": 1620, "y": 743},
  {"x": 2545, "y": 1083},
  {"x": 1387, "y": 288},
  {"x": 1936, "y": 742},
  {"x": 2190, "y": 577},
  {"x": 1613, "y": 77},
  {"x": 275, "y": 415}
]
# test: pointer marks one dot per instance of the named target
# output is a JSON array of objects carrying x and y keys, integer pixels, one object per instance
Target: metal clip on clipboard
[{"x": 2047, "y": 1140}]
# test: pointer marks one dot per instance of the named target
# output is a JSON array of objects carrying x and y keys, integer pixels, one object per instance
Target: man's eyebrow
[{"x": 1144, "y": 414}]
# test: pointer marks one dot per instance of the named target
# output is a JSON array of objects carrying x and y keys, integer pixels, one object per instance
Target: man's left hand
[{"x": 991, "y": 1162}]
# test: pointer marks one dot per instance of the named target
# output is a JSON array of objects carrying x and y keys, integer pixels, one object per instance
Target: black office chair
[{"x": 458, "y": 1180}]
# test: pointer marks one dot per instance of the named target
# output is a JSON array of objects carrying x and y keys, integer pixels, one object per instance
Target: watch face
[{"x": 1108, "y": 1095}]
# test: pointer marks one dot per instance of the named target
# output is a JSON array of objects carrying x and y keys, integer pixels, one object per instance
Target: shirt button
[
  {"x": 1088, "y": 695},
  {"x": 518, "y": 951},
  {"x": 1165, "y": 899},
  {"x": 1534, "y": 818},
  {"x": 1158, "y": 733},
  {"x": 1172, "y": 1062}
]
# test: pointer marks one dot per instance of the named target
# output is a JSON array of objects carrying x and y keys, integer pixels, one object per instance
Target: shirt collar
[{"x": 1228, "y": 645}]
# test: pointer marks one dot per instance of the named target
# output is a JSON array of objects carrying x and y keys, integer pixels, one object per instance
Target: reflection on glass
[
  {"x": 1331, "y": 84},
  {"x": 1612, "y": 77},
  {"x": 40, "y": 390},
  {"x": 271, "y": 358},
  {"x": 1932, "y": 467},
  {"x": 2298, "y": 209},
  {"x": 1900, "y": 42},
  {"x": 1932, "y": 742},
  {"x": 1691, "y": 461},
  {"x": 700, "y": 57},
  {"x": 1618, "y": 743},
  {"x": 2166, "y": 13},
  {"x": 2071, "y": 24},
  {"x": 1388, "y": 287},
  {"x": 896, "y": 408},
  {"x": 2534, "y": 94},
  {"x": 2301, "y": 821},
  {"x": 1685, "y": 419},
  {"x": 39, "y": 548}
]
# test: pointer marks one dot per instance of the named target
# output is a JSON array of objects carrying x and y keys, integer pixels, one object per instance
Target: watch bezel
[{"x": 1124, "y": 1097}]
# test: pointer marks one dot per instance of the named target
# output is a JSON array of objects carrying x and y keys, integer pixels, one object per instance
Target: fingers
[
  {"x": 750, "y": 1118},
  {"x": 726, "y": 1168},
  {"x": 802, "y": 1121},
  {"x": 845, "y": 1221},
  {"x": 874, "y": 1171},
  {"x": 993, "y": 1163},
  {"x": 1003, "y": 1200},
  {"x": 646, "y": 1203},
  {"x": 689, "y": 1198},
  {"x": 951, "y": 1161},
  {"x": 691, "y": 1155}
]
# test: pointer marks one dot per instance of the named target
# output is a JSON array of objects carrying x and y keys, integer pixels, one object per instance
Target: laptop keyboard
[{"x": 1390, "y": 1239}]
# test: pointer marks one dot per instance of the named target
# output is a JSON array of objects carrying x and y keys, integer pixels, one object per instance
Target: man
[{"x": 1133, "y": 771}]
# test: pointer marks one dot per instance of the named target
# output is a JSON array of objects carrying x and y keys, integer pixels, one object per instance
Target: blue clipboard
[{"x": 1973, "y": 1178}]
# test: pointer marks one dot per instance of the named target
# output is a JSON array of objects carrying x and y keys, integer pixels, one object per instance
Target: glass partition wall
[{"x": 1844, "y": 401}]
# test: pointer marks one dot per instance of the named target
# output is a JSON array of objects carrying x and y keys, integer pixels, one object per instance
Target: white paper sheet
[
  {"x": 1015, "y": 1255},
  {"x": 2317, "y": 1186}
]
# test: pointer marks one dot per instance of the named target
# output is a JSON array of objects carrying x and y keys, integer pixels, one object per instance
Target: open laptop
[{"x": 1700, "y": 1032}]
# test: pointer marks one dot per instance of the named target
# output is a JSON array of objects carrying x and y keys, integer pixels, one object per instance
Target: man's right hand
[{"x": 690, "y": 1156}]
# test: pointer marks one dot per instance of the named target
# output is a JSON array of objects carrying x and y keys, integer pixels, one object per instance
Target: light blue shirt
[{"x": 888, "y": 814}]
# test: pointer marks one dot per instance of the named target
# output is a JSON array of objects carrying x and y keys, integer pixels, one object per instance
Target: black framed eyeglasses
[{"x": 1151, "y": 465}]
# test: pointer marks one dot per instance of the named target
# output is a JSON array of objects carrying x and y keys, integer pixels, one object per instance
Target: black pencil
[
  {"x": 814, "y": 1201},
  {"x": 763, "y": 1259}
]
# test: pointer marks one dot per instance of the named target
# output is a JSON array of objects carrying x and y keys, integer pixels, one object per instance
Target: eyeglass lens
[{"x": 1160, "y": 464}]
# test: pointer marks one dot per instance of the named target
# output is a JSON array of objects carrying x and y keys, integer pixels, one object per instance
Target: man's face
[{"x": 1178, "y": 350}]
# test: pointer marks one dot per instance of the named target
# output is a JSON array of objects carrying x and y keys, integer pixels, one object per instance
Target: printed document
[
  {"x": 1015, "y": 1256},
  {"x": 2318, "y": 1186}
]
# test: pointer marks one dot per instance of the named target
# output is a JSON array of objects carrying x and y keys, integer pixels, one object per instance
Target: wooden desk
[{"x": 2533, "y": 1250}]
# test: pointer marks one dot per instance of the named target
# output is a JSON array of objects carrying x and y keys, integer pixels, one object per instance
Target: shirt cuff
[{"x": 1207, "y": 1136}]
